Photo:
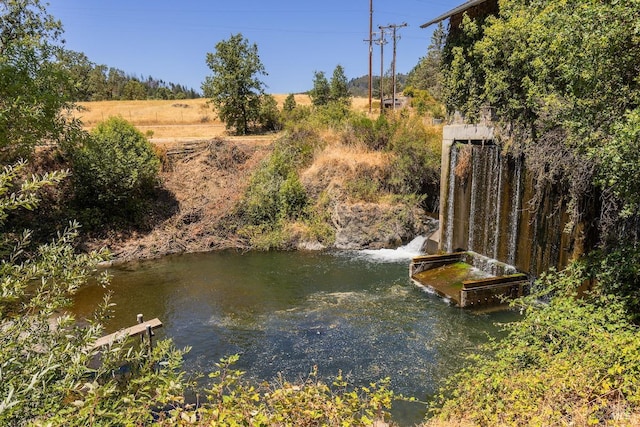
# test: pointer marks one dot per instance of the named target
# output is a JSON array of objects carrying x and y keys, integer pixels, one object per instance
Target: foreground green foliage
[
  {"x": 34, "y": 92},
  {"x": 571, "y": 361},
  {"x": 45, "y": 356},
  {"x": 311, "y": 402}
]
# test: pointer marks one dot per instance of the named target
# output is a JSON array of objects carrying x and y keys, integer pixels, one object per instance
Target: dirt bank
[{"x": 204, "y": 181}]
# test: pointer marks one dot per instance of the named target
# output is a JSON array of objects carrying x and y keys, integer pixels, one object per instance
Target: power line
[
  {"x": 381, "y": 41},
  {"x": 395, "y": 37}
]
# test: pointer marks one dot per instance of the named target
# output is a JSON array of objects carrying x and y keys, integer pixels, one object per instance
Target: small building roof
[{"x": 460, "y": 9}]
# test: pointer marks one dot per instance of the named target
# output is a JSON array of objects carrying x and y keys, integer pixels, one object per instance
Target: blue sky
[{"x": 169, "y": 39}]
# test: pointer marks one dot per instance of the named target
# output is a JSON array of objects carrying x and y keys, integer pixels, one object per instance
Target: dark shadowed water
[{"x": 286, "y": 312}]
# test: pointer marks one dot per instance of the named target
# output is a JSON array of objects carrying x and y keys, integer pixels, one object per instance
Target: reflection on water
[{"x": 286, "y": 312}]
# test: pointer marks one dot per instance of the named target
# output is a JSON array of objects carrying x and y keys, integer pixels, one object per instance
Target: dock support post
[{"x": 149, "y": 334}]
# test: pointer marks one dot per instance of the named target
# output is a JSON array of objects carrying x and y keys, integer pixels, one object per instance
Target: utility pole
[
  {"x": 394, "y": 28},
  {"x": 370, "y": 52},
  {"x": 381, "y": 41}
]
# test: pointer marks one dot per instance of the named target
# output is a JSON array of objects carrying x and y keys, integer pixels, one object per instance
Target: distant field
[{"x": 173, "y": 120}]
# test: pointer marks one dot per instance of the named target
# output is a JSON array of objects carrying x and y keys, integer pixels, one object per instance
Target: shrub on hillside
[
  {"x": 416, "y": 164},
  {"x": 115, "y": 169},
  {"x": 275, "y": 191},
  {"x": 331, "y": 115},
  {"x": 275, "y": 194},
  {"x": 425, "y": 103},
  {"x": 374, "y": 134},
  {"x": 269, "y": 118}
]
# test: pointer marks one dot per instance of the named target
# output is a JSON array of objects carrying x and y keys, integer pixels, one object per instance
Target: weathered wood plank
[
  {"x": 132, "y": 331},
  {"x": 491, "y": 281}
]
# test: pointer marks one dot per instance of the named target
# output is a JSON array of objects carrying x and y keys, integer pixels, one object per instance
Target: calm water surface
[{"x": 286, "y": 312}]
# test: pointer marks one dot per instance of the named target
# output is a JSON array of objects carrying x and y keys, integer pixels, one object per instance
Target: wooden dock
[{"x": 144, "y": 329}]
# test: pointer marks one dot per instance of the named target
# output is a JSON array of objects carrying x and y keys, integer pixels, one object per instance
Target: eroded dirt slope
[{"x": 206, "y": 180}]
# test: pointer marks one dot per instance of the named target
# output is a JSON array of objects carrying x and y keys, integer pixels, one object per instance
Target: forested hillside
[{"x": 98, "y": 82}]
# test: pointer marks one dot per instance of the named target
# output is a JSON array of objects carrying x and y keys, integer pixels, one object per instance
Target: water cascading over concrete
[
  {"x": 487, "y": 206},
  {"x": 490, "y": 212}
]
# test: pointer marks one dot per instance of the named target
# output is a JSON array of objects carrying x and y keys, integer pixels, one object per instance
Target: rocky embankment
[{"x": 203, "y": 183}]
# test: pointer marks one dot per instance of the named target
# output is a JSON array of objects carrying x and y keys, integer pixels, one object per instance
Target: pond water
[{"x": 285, "y": 312}]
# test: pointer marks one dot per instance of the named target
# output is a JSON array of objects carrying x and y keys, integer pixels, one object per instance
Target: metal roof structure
[{"x": 469, "y": 4}]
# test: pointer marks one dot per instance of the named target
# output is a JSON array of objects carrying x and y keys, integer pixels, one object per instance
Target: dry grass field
[{"x": 173, "y": 120}]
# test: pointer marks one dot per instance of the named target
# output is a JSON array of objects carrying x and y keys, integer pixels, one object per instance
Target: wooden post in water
[
  {"x": 149, "y": 333},
  {"x": 140, "y": 319}
]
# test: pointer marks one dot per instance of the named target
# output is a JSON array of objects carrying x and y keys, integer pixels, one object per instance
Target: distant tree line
[
  {"x": 359, "y": 86},
  {"x": 93, "y": 82}
]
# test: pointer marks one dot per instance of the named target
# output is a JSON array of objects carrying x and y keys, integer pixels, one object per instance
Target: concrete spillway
[
  {"x": 453, "y": 277},
  {"x": 493, "y": 208}
]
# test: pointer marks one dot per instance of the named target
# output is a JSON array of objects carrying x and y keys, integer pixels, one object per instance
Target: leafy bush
[
  {"x": 618, "y": 273},
  {"x": 424, "y": 103},
  {"x": 619, "y": 160},
  {"x": 364, "y": 189},
  {"x": 269, "y": 116},
  {"x": 375, "y": 135},
  {"x": 45, "y": 355},
  {"x": 416, "y": 167},
  {"x": 275, "y": 193},
  {"x": 571, "y": 361},
  {"x": 332, "y": 114},
  {"x": 310, "y": 402},
  {"x": 295, "y": 116},
  {"x": 115, "y": 169}
]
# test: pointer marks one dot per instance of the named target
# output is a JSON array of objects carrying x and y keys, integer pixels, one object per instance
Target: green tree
[
  {"x": 116, "y": 79},
  {"x": 427, "y": 74},
  {"x": 164, "y": 93},
  {"x": 79, "y": 69},
  {"x": 97, "y": 83},
  {"x": 133, "y": 89},
  {"x": 269, "y": 116},
  {"x": 34, "y": 90},
  {"x": 234, "y": 87},
  {"x": 115, "y": 168},
  {"x": 321, "y": 92},
  {"x": 289, "y": 103},
  {"x": 339, "y": 91}
]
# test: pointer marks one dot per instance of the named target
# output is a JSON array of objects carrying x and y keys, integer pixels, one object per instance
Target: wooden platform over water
[{"x": 133, "y": 331}]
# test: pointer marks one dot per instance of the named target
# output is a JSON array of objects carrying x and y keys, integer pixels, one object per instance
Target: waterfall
[
  {"x": 451, "y": 199},
  {"x": 402, "y": 253},
  {"x": 485, "y": 214},
  {"x": 514, "y": 215},
  {"x": 475, "y": 191},
  {"x": 497, "y": 185}
]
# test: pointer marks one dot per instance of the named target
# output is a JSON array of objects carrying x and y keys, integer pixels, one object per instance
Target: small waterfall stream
[{"x": 488, "y": 211}]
